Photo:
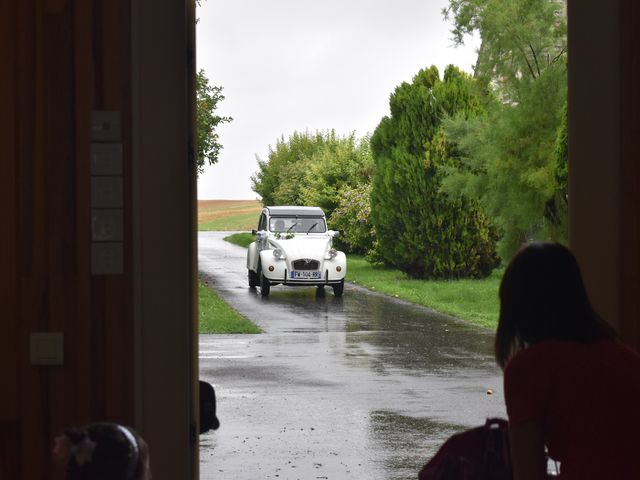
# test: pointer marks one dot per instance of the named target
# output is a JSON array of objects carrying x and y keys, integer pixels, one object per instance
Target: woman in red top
[{"x": 570, "y": 385}]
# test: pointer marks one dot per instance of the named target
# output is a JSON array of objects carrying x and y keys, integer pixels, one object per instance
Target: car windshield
[{"x": 297, "y": 225}]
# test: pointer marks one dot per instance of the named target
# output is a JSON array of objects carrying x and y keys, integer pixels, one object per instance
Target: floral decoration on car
[{"x": 284, "y": 236}]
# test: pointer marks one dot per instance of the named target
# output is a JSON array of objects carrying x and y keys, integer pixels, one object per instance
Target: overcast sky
[{"x": 288, "y": 65}]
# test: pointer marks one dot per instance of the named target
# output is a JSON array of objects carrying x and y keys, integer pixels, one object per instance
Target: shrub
[
  {"x": 421, "y": 230},
  {"x": 352, "y": 219},
  {"x": 312, "y": 169}
]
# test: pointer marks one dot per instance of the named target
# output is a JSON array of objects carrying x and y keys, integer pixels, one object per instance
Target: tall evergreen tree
[{"x": 422, "y": 231}]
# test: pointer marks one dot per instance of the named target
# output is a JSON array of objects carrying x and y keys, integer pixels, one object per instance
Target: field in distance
[{"x": 228, "y": 215}]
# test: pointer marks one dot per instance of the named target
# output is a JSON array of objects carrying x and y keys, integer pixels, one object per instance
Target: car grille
[{"x": 306, "y": 264}]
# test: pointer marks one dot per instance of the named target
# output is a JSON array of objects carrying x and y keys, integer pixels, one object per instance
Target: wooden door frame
[{"x": 164, "y": 246}]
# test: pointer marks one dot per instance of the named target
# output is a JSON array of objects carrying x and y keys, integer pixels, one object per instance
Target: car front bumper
[{"x": 331, "y": 272}]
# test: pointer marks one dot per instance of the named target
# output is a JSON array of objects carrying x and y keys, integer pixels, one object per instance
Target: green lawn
[
  {"x": 215, "y": 316},
  {"x": 241, "y": 221},
  {"x": 243, "y": 239},
  {"x": 473, "y": 300}
]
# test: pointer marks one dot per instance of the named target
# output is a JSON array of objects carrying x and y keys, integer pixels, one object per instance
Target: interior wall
[
  {"x": 128, "y": 334},
  {"x": 604, "y": 123},
  {"x": 9, "y": 340},
  {"x": 630, "y": 171},
  {"x": 164, "y": 220},
  {"x": 62, "y": 60},
  {"x": 594, "y": 148}
]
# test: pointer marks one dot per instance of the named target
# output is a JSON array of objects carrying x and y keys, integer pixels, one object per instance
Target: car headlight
[
  {"x": 331, "y": 254},
  {"x": 278, "y": 253}
]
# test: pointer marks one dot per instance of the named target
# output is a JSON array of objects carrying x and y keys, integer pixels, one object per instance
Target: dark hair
[
  {"x": 542, "y": 297},
  {"x": 119, "y": 453}
]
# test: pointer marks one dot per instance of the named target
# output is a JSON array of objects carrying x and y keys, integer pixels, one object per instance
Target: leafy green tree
[
  {"x": 343, "y": 163},
  {"x": 312, "y": 169},
  {"x": 520, "y": 38},
  {"x": 280, "y": 179},
  {"x": 207, "y": 99},
  {"x": 352, "y": 218},
  {"x": 505, "y": 160},
  {"x": 419, "y": 229},
  {"x": 556, "y": 210}
]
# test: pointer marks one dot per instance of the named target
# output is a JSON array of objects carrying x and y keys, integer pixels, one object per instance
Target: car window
[{"x": 297, "y": 225}]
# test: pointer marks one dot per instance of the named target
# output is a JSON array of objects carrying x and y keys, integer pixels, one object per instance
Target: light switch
[
  {"x": 106, "y": 126},
  {"x": 106, "y": 192},
  {"x": 106, "y": 159},
  {"x": 107, "y": 258},
  {"x": 47, "y": 348},
  {"x": 106, "y": 225}
]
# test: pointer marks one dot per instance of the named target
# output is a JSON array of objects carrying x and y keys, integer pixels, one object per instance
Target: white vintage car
[{"x": 294, "y": 247}]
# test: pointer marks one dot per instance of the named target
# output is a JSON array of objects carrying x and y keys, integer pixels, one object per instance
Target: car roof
[{"x": 292, "y": 211}]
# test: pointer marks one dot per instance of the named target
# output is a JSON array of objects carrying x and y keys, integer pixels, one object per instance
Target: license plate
[{"x": 305, "y": 274}]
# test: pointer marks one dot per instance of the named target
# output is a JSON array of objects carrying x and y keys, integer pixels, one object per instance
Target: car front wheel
[
  {"x": 265, "y": 286},
  {"x": 338, "y": 289},
  {"x": 253, "y": 278}
]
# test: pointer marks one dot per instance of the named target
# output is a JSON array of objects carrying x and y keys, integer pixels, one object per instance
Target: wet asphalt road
[{"x": 363, "y": 387}]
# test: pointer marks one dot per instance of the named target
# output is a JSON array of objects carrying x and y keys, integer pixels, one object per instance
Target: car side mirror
[
  {"x": 334, "y": 233},
  {"x": 254, "y": 231}
]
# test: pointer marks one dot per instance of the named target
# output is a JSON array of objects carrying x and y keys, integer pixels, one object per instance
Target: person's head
[
  {"x": 542, "y": 297},
  {"x": 103, "y": 451},
  {"x": 279, "y": 225}
]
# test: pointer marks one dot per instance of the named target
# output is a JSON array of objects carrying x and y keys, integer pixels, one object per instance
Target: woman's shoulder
[
  {"x": 558, "y": 351},
  {"x": 536, "y": 356},
  {"x": 544, "y": 349}
]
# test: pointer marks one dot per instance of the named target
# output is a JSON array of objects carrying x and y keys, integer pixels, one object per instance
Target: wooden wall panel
[
  {"x": 111, "y": 50},
  {"x": 630, "y": 126},
  {"x": 80, "y": 334},
  {"x": 163, "y": 177},
  {"x": 56, "y": 53},
  {"x": 10, "y": 437},
  {"x": 67, "y": 58},
  {"x": 61, "y": 222},
  {"x": 8, "y": 212},
  {"x": 594, "y": 151},
  {"x": 9, "y": 449},
  {"x": 32, "y": 247}
]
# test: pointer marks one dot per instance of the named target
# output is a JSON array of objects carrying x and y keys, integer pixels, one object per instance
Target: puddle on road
[
  {"x": 405, "y": 443},
  {"x": 403, "y": 335}
]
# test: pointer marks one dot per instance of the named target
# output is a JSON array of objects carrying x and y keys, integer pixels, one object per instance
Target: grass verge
[
  {"x": 473, "y": 300},
  {"x": 215, "y": 316},
  {"x": 242, "y": 239},
  {"x": 241, "y": 221}
]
